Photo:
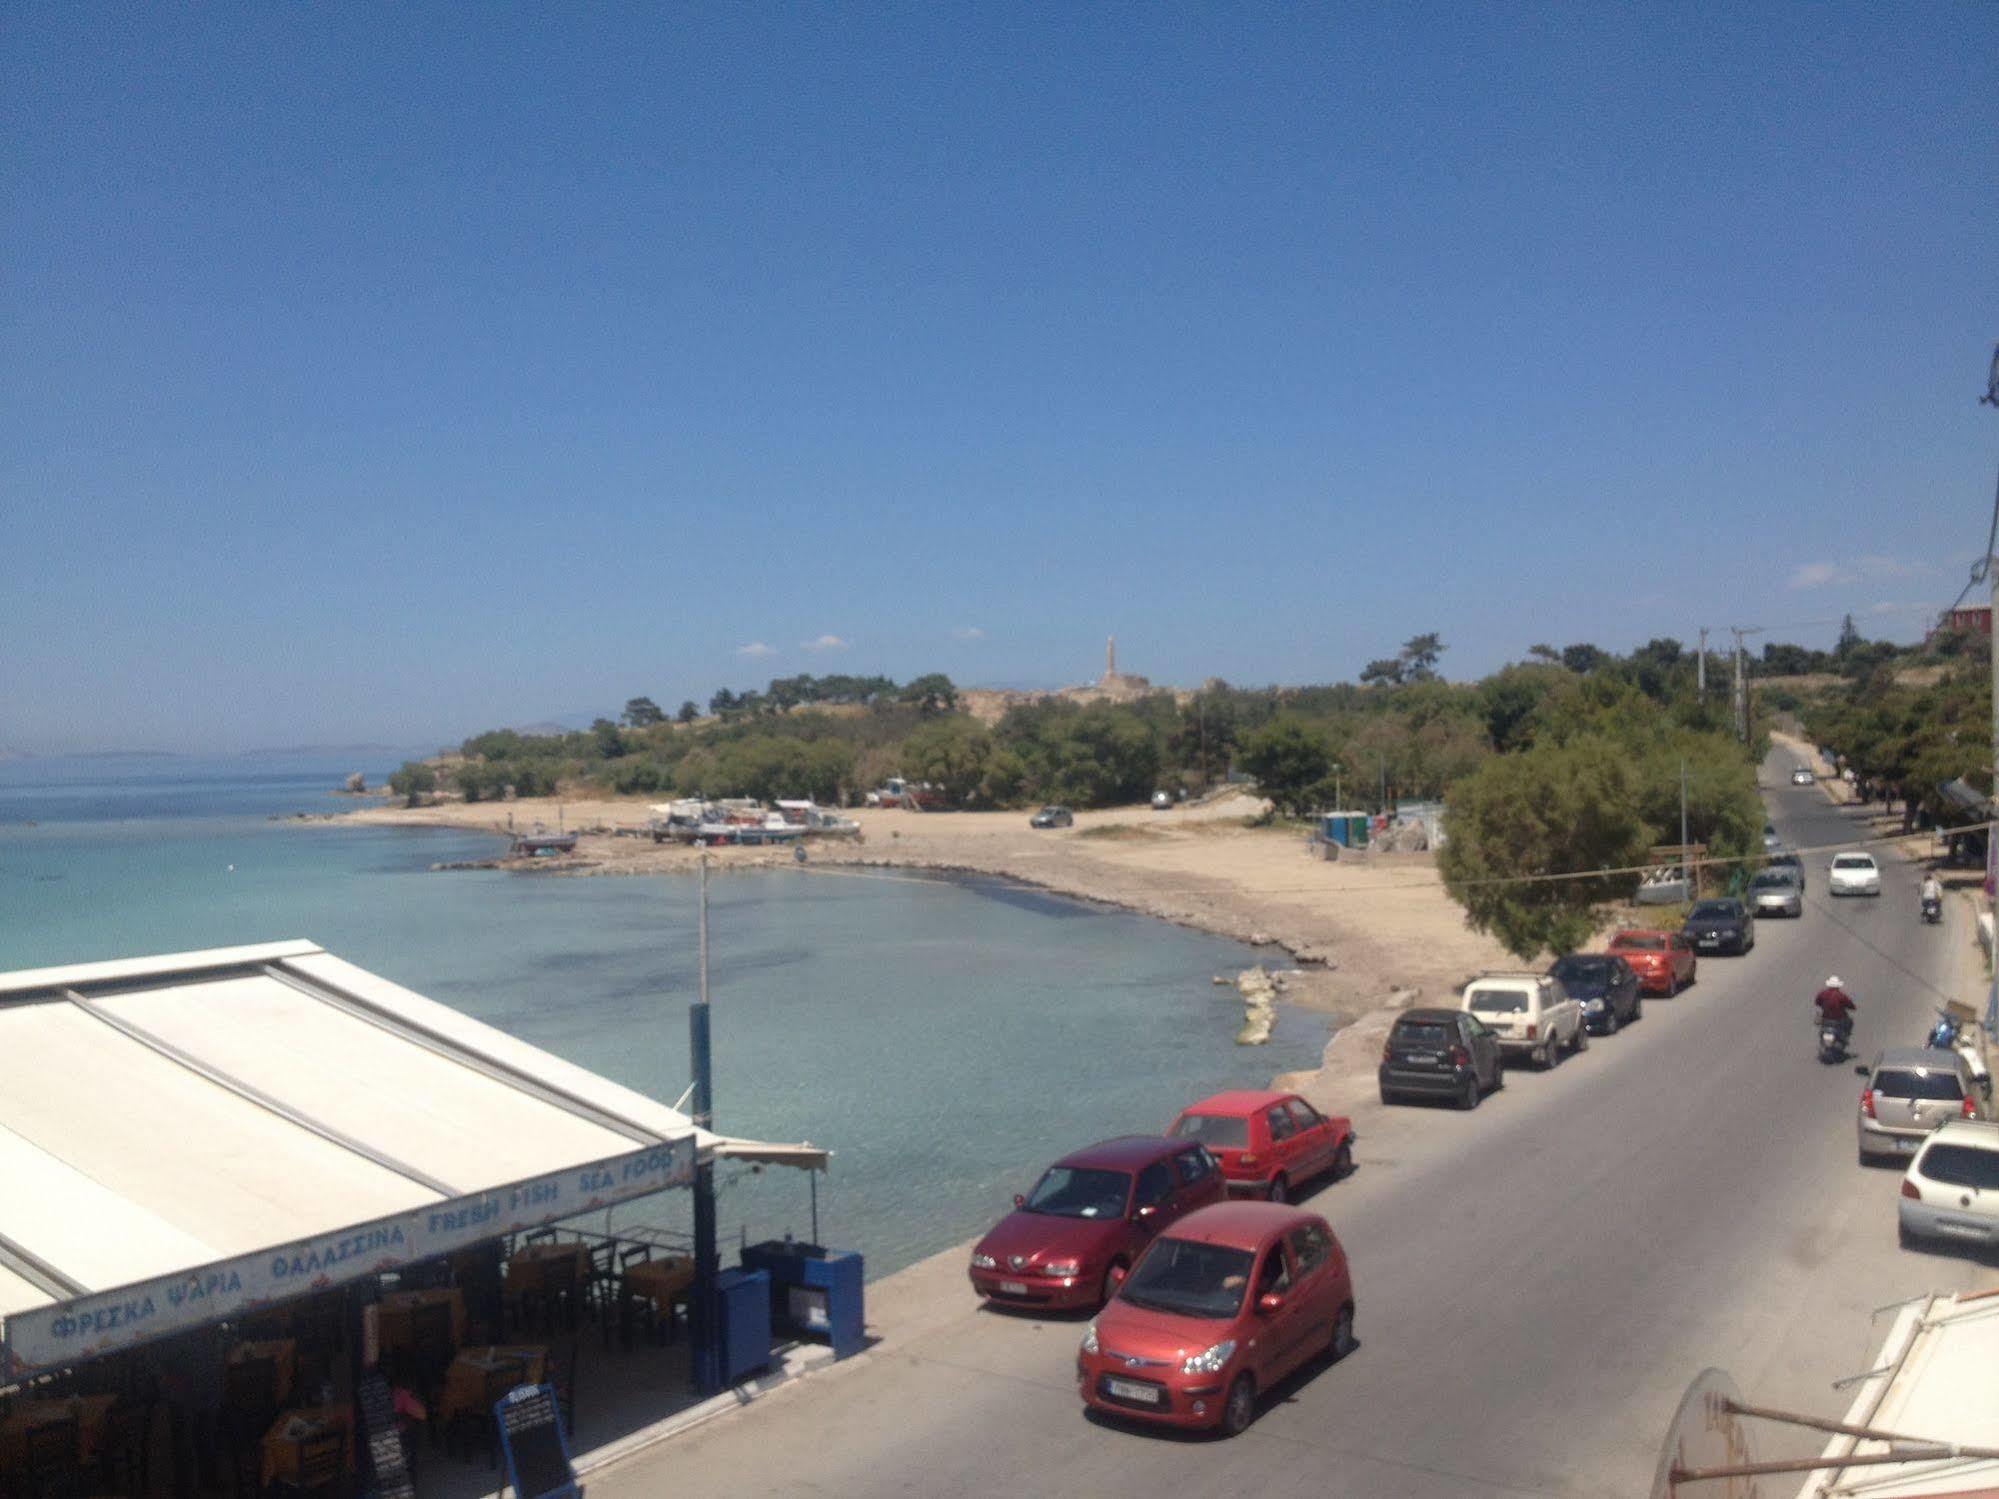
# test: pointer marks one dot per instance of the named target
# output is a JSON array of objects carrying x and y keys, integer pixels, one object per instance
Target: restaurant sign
[{"x": 103, "y": 1322}]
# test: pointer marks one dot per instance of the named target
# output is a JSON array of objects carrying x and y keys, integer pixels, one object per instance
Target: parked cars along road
[
  {"x": 1775, "y": 892},
  {"x": 1530, "y": 1013},
  {"x": 1663, "y": 961},
  {"x": 1801, "y": 777},
  {"x": 1853, "y": 873},
  {"x": 1720, "y": 925},
  {"x": 1440, "y": 1054},
  {"x": 1268, "y": 1144},
  {"x": 1219, "y": 1311},
  {"x": 1951, "y": 1189},
  {"x": 1910, "y": 1091},
  {"x": 1069, "y": 1242},
  {"x": 1052, "y": 817},
  {"x": 1604, "y": 985},
  {"x": 1784, "y": 861}
]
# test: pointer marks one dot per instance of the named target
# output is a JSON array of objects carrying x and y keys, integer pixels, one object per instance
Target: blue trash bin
[
  {"x": 743, "y": 1297},
  {"x": 815, "y": 1292}
]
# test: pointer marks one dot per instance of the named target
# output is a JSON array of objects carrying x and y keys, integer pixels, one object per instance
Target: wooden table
[
  {"x": 284, "y": 1445},
  {"x": 662, "y": 1282},
  {"x": 396, "y": 1326},
  {"x": 282, "y": 1353},
  {"x": 465, "y": 1380},
  {"x": 524, "y": 1265},
  {"x": 89, "y": 1411}
]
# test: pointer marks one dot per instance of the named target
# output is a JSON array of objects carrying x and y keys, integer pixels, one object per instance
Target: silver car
[
  {"x": 1910, "y": 1091},
  {"x": 1951, "y": 1190},
  {"x": 1775, "y": 892}
]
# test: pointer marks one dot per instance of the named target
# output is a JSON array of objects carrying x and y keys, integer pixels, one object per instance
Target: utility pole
[
  {"x": 1991, "y": 567},
  {"x": 1741, "y": 690},
  {"x": 706, "y": 1309},
  {"x": 1683, "y": 806},
  {"x": 1700, "y": 671}
]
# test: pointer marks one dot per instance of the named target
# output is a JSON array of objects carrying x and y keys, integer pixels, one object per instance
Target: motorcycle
[
  {"x": 1943, "y": 1035},
  {"x": 1932, "y": 910},
  {"x": 1833, "y": 1036}
]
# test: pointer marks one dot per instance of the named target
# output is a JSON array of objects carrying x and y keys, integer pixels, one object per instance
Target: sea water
[{"x": 944, "y": 1037}]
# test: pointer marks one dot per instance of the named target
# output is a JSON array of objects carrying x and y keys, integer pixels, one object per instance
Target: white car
[
  {"x": 1801, "y": 777},
  {"x": 1530, "y": 1014},
  {"x": 1951, "y": 1190},
  {"x": 1853, "y": 874}
]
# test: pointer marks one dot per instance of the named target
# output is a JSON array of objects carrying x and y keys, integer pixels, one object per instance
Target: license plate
[
  {"x": 1124, "y": 1389},
  {"x": 1012, "y": 1288},
  {"x": 1423, "y": 1058},
  {"x": 1906, "y": 1144},
  {"x": 1710, "y": 942}
]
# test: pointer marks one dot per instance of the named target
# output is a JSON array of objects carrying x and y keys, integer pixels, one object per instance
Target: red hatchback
[
  {"x": 1268, "y": 1143},
  {"x": 1233, "y": 1299},
  {"x": 1663, "y": 961},
  {"x": 1069, "y": 1242}
]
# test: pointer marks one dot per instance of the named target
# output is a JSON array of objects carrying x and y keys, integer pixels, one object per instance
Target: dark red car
[
  {"x": 1069, "y": 1242},
  {"x": 1268, "y": 1143},
  {"x": 1234, "y": 1298},
  {"x": 1663, "y": 961}
]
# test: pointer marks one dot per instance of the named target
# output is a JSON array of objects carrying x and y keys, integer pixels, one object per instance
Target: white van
[{"x": 1530, "y": 1013}]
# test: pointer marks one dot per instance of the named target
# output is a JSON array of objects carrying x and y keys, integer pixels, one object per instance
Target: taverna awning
[{"x": 189, "y": 1136}]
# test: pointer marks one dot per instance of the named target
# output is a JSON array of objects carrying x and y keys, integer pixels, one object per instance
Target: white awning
[{"x": 183, "y": 1137}]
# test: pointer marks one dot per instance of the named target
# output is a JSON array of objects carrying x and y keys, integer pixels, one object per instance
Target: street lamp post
[
  {"x": 706, "y": 1331},
  {"x": 1991, "y": 571}
]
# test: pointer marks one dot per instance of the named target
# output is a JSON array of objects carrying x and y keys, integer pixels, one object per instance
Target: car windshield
[
  {"x": 1641, "y": 942},
  {"x": 1910, "y": 1084},
  {"x": 1224, "y": 1131},
  {"x": 1770, "y": 879},
  {"x": 1423, "y": 1033},
  {"x": 1712, "y": 910},
  {"x": 1080, "y": 1192},
  {"x": 1195, "y": 1280},
  {"x": 1575, "y": 971},
  {"x": 1853, "y": 861},
  {"x": 1498, "y": 1002},
  {"x": 1961, "y": 1166},
  {"x": 1051, "y": 811}
]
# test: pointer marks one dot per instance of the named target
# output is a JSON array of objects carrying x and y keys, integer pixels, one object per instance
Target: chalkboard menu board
[
  {"x": 382, "y": 1441},
  {"x": 531, "y": 1432}
]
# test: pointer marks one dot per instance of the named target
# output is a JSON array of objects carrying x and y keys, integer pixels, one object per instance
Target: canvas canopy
[{"x": 189, "y": 1136}]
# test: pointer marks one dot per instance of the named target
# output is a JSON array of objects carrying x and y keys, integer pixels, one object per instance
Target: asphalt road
[{"x": 1537, "y": 1281}]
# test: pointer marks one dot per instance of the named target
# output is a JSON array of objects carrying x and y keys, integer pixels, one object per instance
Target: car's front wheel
[
  {"x": 1581, "y": 1043},
  {"x": 1113, "y": 1278},
  {"x": 1342, "y": 1341},
  {"x": 1240, "y": 1408},
  {"x": 1280, "y": 1189}
]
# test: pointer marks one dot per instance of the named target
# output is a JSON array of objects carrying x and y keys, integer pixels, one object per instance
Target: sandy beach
[{"x": 1356, "y": 938}]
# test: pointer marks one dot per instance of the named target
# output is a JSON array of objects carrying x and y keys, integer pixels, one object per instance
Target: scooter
[
  {"x": 1932, "y": 910},
  {"x": 1832, "y": 1039},
  {"x": 1943, "y": 1035}
]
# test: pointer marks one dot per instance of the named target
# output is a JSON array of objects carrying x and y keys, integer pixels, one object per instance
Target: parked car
[
  {"x": 1910, "y": 1091},
  {"x": 1853, "y": 873},
  {"x": 1162, "y": 801},
  {"x": 1784, "y": 859},
  {"x": 1220, "y": 1310},
  {"x": 1802, "y": 777},
  {"x": 1775, "y": 892},
  {"x": 1720, "y": 925},
  {"x": 1530, "y": 1013},
  {"x": 1069, "y": 1242},
  {"x": 1440, "y": 1054},
  {"x": 1604, "y": 985},
  {"x": 1663, "y": 961},
  {"x": 1770, "y": 839},
  {"x": 1951, "y": 1190},
  {"x": 1268, "y": 1143},
  {"x": 1052, "y": 817}
]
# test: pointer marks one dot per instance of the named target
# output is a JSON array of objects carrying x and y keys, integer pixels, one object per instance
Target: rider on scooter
[
  {"x": 1931, "y": 894},
  {"x": 1836, "y": 1007}
]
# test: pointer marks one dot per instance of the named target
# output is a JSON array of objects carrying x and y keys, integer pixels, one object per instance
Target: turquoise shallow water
[{"x": 945, "y": 1037}]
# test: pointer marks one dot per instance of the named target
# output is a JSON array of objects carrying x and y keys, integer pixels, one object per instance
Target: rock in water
[
  {"x": 357, "y": 782},
  {"x": 1259, "y": 1005}
]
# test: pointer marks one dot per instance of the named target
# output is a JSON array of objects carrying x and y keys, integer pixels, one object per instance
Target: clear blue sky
[{"x": 387, "y": 373}]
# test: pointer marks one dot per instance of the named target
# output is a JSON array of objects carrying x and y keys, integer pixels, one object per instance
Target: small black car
[
  {"x": 1722, "y": 925},
  {"x": 1606, "y": 987},
  {"x": 1440, "y": 1054},
  {"x": 1052, "y": 817}
]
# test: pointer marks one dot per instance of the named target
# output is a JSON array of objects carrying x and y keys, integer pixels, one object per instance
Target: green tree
[
  {"x": 689, "y": 711},
  {"x": 1420, "y": 654},
  {"x": 948, "y": 752},
  {"x": 1552, "y": 809},
  {"x": 723, "y": 703},
  {"x": 643, "y": 713},
  {"x": 1584, "y": 658},
  {"x": 413, "y": 781},
  {"x": 1290, "y": 758},
  {"x": 1385, "y": 672},
  {"x": 605, "y": 739},
  {"x": 931, "y": 693},
  {"x": 1849, "y": 639}
]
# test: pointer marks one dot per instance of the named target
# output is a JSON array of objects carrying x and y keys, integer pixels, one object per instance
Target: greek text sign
[{"x": 105, "y": 1321}]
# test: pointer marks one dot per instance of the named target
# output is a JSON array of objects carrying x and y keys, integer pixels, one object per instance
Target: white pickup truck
[{"x": 1531, "y": 1014}]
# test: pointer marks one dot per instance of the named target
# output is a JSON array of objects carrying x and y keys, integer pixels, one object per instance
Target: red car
[
  {"x": 1663, "y": 961},
  {"x": 1069, "y": 1242},
  {"x": 1268, "y": 1143},
  {"x": 1219, "y": 1310}
]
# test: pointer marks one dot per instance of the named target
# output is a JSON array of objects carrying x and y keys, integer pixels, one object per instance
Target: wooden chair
[
  {"x": 553, "y": 1297},
  {"x": 322, "y": 1465},
  {"x": 49, "y": 1462},
  {"x": 465, "y": 1425},
  {"x": 320, "y": 1326},
  {"x": 634, "y": 1312},
  {"x": 600, "y": 1283},
  {"x": 250, "y": 1389},
  {"x": 432, "y": 1347},
  {"x": 124, "y": 1449}
]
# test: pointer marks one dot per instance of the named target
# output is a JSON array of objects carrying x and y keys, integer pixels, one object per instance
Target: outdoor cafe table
[
  {"x": 281, "y": 1353},
  {"x": 660, "y": 1281},
  {"x": 89, "y": 1411},
  {"x": 284, "y": 1443},
  {"x": 524, "y": 1265},
  {"x": 465, "y": 1380},
  {"x": 396, "y": 1323}
]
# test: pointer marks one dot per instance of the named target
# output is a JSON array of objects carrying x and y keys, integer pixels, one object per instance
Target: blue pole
[{"x": 706, "y": 1333}]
